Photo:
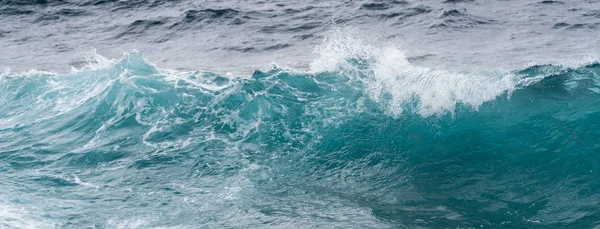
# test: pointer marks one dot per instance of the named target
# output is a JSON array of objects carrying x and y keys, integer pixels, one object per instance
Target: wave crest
[{"x": 394, "y": 82}]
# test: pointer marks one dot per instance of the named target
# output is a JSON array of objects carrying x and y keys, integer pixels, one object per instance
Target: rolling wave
[{"x": 364, "y": 139}]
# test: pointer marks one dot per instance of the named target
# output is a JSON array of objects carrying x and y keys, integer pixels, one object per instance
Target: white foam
[
  {"x": 12, "y": 216},
  {"x": 395, "y": 83},
  {"x": 94, "y": 61},
  {"x": 5, "y": 73},
  {"x": 85, "y": 184}
]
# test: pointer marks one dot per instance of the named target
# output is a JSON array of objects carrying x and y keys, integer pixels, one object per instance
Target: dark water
[{"x": 350, "y": 114}]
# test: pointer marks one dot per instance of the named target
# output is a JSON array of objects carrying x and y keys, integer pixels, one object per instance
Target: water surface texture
[{"x": 292, "y": 114}]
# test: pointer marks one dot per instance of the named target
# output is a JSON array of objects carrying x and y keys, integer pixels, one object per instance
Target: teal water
[{"x": 355, "y": 143}]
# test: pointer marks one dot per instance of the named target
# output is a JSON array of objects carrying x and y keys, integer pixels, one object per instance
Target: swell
[
  {"x": 167, "y": 109},
  {"x": 133, "y": 88},
  {"x": 33, "y": 87}
]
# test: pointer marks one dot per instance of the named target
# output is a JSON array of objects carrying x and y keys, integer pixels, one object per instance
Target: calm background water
[{"x": 239, "y": 36}]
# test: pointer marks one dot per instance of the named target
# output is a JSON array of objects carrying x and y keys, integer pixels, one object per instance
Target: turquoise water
[
  {"x": 406, "y": 114},
  {"x": 354, "y": 143}
]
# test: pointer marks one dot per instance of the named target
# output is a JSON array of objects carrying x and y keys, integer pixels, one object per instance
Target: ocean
[{"x": 299, "y": 114}]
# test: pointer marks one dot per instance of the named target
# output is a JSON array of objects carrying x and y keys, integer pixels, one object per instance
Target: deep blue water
[{"x": 349, "y": 114}]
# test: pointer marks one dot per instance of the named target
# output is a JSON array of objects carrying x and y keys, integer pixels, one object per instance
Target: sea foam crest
[
  {"x": 398, "y": 85},
  {"x": 12, "y": 216}
]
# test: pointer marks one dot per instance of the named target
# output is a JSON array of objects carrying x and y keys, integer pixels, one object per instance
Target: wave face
[{"x": 363, "y": 140}]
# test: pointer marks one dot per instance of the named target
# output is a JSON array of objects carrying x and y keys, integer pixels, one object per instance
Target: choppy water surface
[{"x": 277, "y": 114}]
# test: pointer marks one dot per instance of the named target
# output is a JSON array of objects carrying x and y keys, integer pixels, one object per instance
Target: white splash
[{"x": 395, "y": 83}]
